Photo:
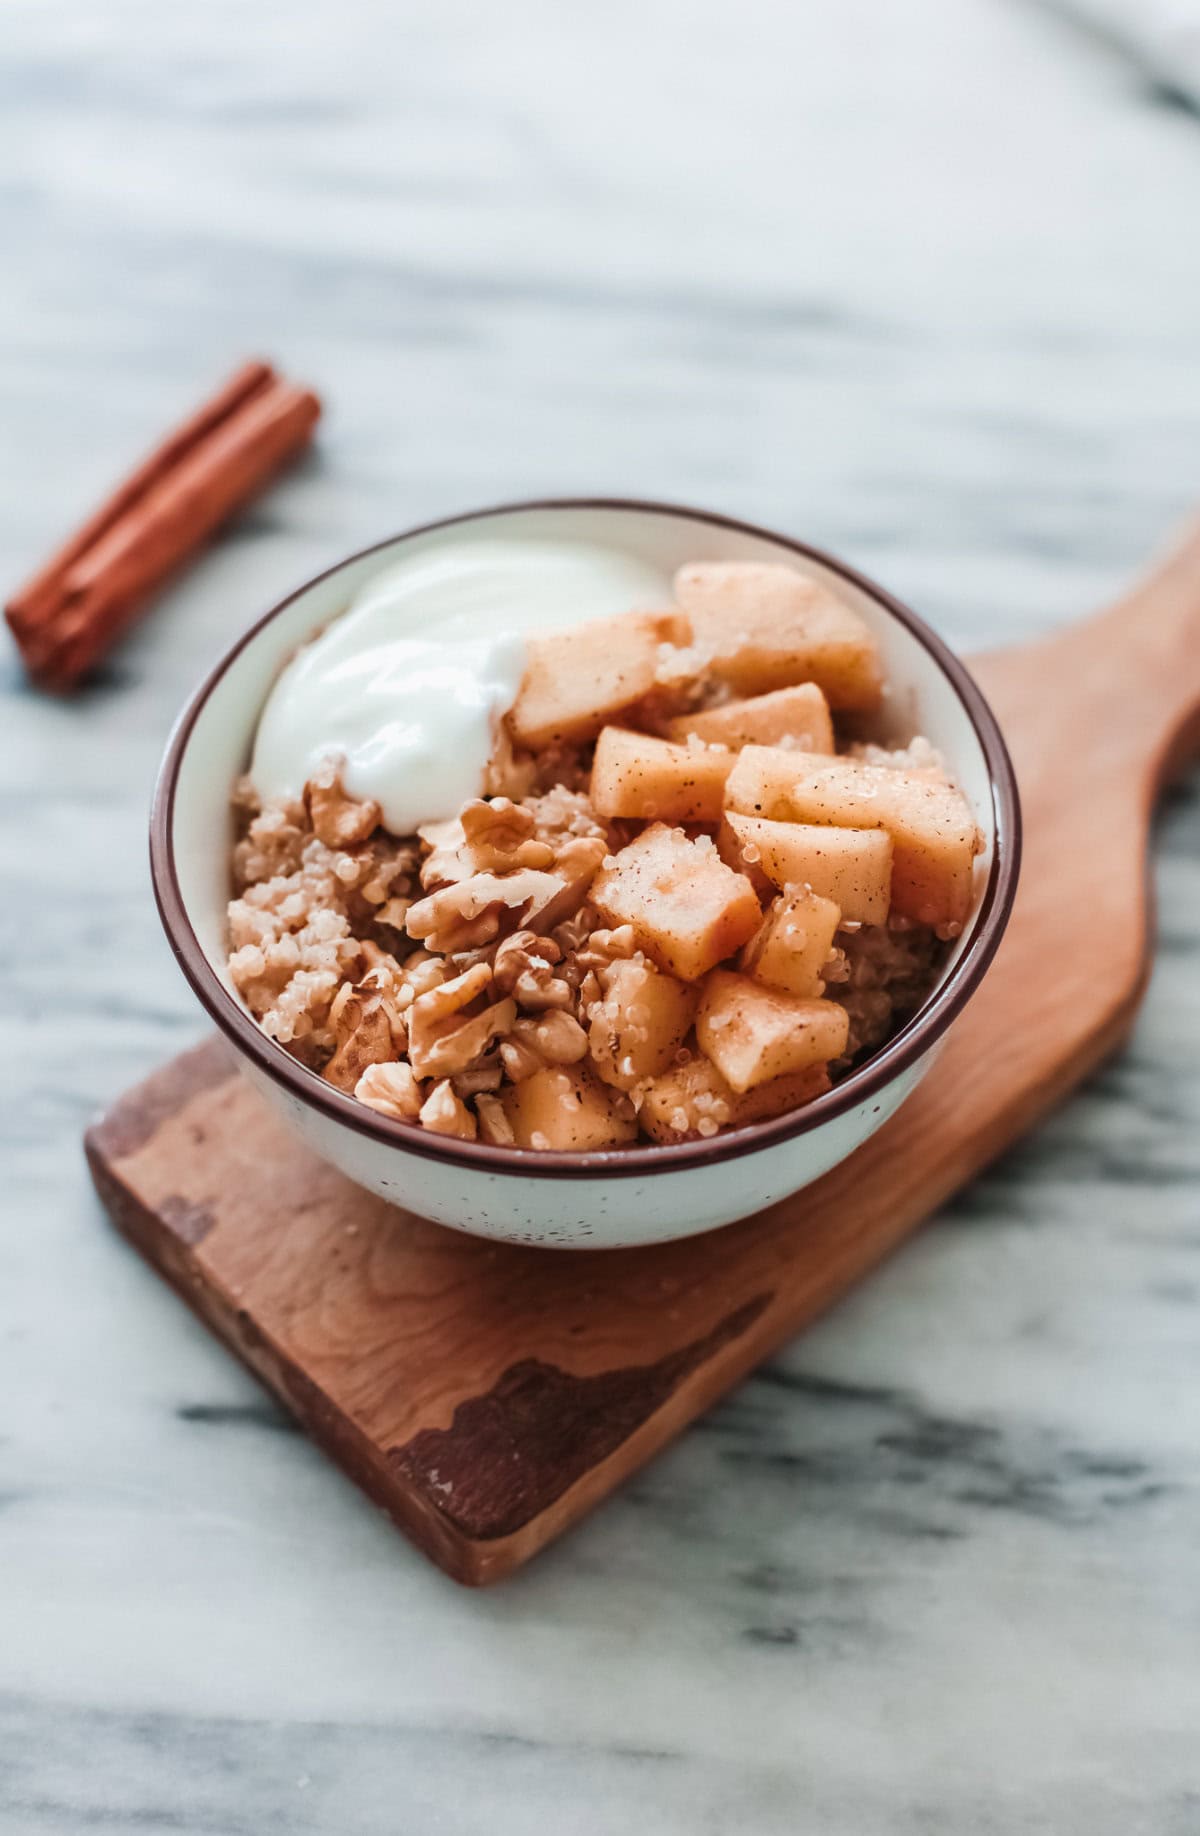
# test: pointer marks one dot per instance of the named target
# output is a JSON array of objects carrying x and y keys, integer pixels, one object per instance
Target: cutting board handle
[{"x": 1136, "y": 668}]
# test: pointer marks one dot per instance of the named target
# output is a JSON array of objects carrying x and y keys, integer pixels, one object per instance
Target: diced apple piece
[
  {"x": 635, "y": 775},
  {"x": 933, "y": 832},
  {"x": 693, "y": 1100},
  {"x": 799, "y": 714},
  {"x": 567, "y": 1109},
  {"x": 640, "y": 1023},
  {"x": 729, "y": 848},
  {"x": 674, "y": 627},
  {"x": 763, "y": 778},
  {"x": 687, "y": 908},
  {"x": 766, "y": 626},
  {"x": 853, "y": 867},
  {"x": 574, "y": 681},
  {"x": 753, "y": 1033},
  {"x": 793, "y": 943}
]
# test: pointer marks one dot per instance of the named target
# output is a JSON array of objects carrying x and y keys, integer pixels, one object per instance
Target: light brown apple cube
[
  {"x": 729, "y": 847},
  {"x": 799, "y": 715},
  {"x": 639, "y": 1023},
  {"x": 693, "y": 1100},
  {"x": 687, "y": 908},
  {"x": 934, "y": 835},
  {"x": 762, "y": 779},
  {"x": 567, "y": 1108},
  {"x": 766, "y": 626},
  {"x": 577, "y": 680},
  {"x": 636, "y": 775},
  {"x": 793, "y": 943},
  {"x": 852, "y": 867},
  {"x": 753, "y": 1033}
]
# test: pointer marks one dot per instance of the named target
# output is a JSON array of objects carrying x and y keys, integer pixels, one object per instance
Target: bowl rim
[{"x": 905, "y": 1048}]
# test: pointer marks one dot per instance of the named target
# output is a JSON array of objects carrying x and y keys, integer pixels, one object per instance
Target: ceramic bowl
[{"x": 643, "y": 1194}]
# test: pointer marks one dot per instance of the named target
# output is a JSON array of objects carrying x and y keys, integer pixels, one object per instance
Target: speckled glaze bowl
[{"x": 643, "y": 1194}]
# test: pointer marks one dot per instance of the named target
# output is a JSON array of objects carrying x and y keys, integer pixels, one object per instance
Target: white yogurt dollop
[{"x": 408, "y": 685}]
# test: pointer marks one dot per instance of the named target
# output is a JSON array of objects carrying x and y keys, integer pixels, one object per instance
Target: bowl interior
[{"x": 652, "y": 541}]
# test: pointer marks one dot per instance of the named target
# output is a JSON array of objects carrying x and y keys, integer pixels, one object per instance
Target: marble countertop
[{"x": 921, "y": 284}]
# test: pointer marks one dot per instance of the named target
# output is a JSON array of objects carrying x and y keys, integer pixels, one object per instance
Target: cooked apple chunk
[
  {"x": 693, "y": 1100},
  {"x": 799, "y": 715},
  {"x": 636, "y": 775},
  {"x": 729, "y": 847},
  {"x": 853, "y": 867},
  {"x": 793, "y": 943},
  {"x": 639, "y": 1023},
  {"x": 576, "y": 680},
  {"x": 753, "y": 1033},
  {"x": 762, "y": 779},
  {"x": 766, "y": 626},
  {"x": 933, "y": 832},
  {"x": 688, "y": 909},
  {"x": 567, "y": 1108}
]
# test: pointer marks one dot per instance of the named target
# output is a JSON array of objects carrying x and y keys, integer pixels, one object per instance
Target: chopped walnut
[
  {"x": 524, "y": 968},
  {"x": 574, "y": 932},
  {"x": 392, "y": 1090},
  {"x": 465, "y": 915},
  {"x": 539, "y": 989},
  {"x": 580, "y": 856},
  {"x": 519, "y": 1060},
  {"x": 494, "y": 1125},
  {"x": 514, "y": 956},
  {"x": 362, "y": 1027},
  {"x": 576, "y": 864},
  {"x": 486, "y": 1075},
  {"x": 499, "y": 836},
  {"x": 463, "y": 960},
  {"x": 485, "y": 837},
  {"x": 394, "y": 913},
  {"x": 383, "y": 985},
  {"x": 441, "y": 864},
  {"x": 338, "y": 820},
  {"x": 444, "y": 1113},
  {"x": 605, "y": 947},
  {"x": 442, "y": 1038},
  {"x": 463, "y": 1044},
  {"x": 422, "y": 971},
  {"x": 451, "y": 997},
  {"x": 558, "y": 1037},
  {"x": 589, "y": 992}
]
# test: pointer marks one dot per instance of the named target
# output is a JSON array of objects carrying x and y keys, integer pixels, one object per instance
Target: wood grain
[{"x": 488, "y": 1396}]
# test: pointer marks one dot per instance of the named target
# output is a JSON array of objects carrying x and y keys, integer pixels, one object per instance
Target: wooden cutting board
[{"x": 488, "y": 1396}]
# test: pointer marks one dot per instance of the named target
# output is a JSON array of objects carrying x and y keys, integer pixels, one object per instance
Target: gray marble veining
[{"x": 920, "y": 283}]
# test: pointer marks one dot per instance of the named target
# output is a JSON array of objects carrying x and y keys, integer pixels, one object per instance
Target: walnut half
[
  {"x": 524, "y": 967},
  {"x": 338, "y": 820},
  {"x": 442, "y": 1037},
  {"x": 444, "y": 1113},
  {"x": 392, "y": 1090},
  {"x": 467, "y": 914}
]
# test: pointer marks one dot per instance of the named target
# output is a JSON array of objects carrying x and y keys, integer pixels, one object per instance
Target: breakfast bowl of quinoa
[{"x": 586, "y": 873}]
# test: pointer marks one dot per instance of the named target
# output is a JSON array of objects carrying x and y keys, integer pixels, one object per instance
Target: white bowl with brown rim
[{"x": 631, "y": 1195}]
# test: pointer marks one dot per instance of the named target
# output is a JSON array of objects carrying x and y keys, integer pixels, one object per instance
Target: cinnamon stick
[{"x": 88, "y": 594}]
